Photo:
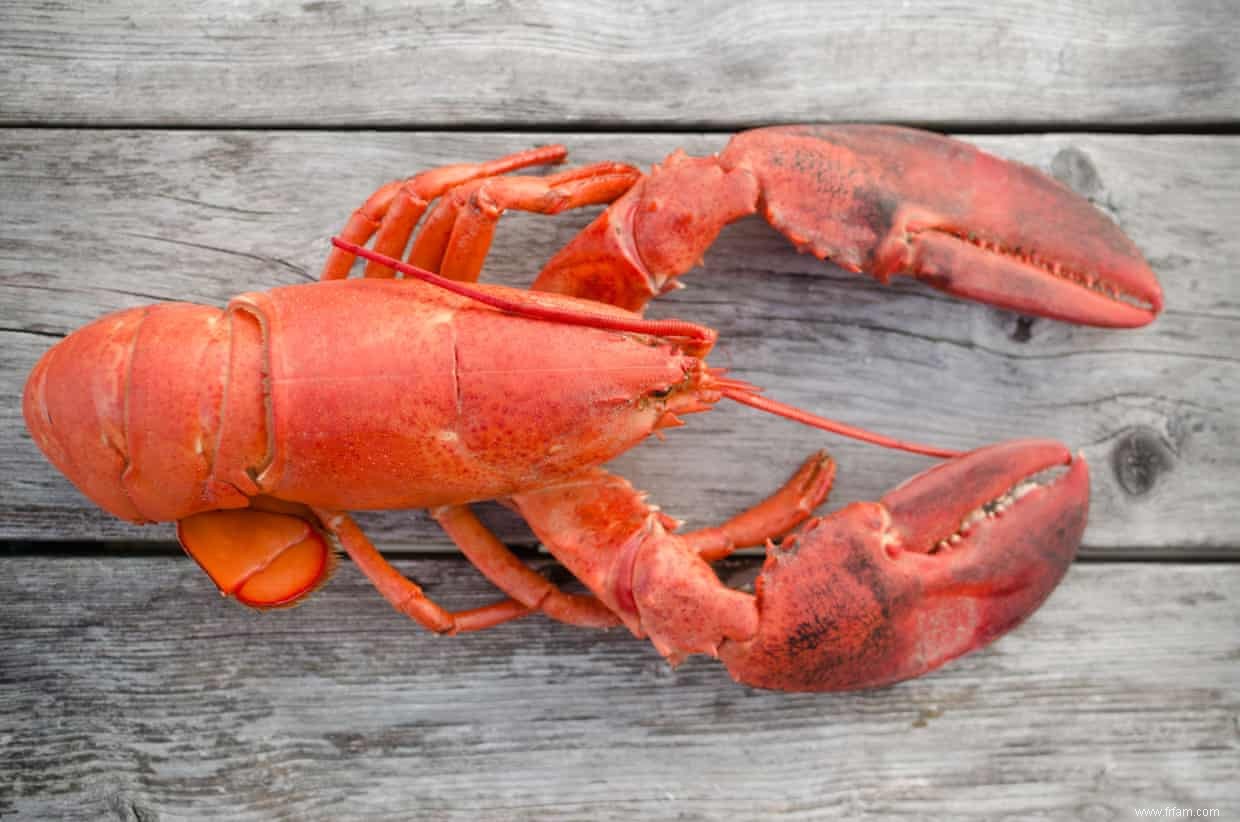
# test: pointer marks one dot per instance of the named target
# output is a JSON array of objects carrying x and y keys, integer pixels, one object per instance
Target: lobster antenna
[
  {"x": 748, "y": 395},
  {"x": 734, "y": 390},
  {"x": 568, "y": 316}
]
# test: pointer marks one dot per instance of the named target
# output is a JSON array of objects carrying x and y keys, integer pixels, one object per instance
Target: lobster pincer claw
[
  {"x": 944, "y": 564},
  {"x": 892, "y": 201},
  {"x": 884, "y": 200}
]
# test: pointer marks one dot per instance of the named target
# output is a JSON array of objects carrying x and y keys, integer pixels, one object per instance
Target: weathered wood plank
[
  {"x": 97, "y": 221},
  {"x": 395, "y": 63},
  {"x": 131, "y": 689}
]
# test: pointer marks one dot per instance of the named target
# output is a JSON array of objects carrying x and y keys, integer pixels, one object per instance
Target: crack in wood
[{"x": 296, "y": 269}]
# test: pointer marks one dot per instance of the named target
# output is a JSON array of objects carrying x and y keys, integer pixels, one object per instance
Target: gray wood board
[
  {"x": 130, "y": 690},
  {"x": 395, "y": 63},
  {"x": 95, "y": 221}
]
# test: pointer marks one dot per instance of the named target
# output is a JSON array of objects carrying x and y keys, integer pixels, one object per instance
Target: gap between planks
[{"x": 1209, "y": 128}]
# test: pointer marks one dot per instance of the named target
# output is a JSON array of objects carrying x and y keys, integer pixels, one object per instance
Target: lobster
[{"x": 257, "y": 427}]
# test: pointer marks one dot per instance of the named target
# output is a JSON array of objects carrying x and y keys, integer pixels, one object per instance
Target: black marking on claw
[
  {"x": 876, "y": 208},
  {"x": 852, "y": 622}
]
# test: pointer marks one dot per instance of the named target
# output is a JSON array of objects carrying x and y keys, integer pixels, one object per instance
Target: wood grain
[
  {"x": 101, "y": 220},
  {"x": 508, "y": 65},
  {"x": 138, "y": 693}
]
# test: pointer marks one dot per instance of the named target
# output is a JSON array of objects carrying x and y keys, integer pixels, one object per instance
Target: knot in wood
[
  {"x": 1139, "y": 458},
  {"x": 1023, "y": 332},
  {"x": 1073, "y": 168}
]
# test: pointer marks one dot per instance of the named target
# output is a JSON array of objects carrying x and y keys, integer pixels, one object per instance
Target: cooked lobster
[{"x": 258, "y": 426}]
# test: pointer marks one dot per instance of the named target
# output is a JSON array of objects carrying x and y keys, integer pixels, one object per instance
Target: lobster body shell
[{"x": 367, "y": 394}]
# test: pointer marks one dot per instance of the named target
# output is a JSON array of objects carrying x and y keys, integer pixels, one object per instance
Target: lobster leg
[
  {"x": 873, "y": 594},
  {"x": 606, "y": 534},
  {"x": 457, "y": 235},
  {"x": 508, "y": 573},
  {"x": 404, "y": 594},
  {"x": 274, "y": 554},
  {"x": 772, "y": 517},
  {"x": 657, "y": 231},
  {"x": 883, "y": 200},
  {"x": 777, "y": 515},
  {"x": 395, "y": 208}
]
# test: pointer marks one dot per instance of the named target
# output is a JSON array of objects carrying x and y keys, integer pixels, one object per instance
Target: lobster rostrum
[{"x": 257, "y": 427}]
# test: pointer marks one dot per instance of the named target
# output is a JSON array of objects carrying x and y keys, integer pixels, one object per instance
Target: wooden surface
[
  {"x": 667, "y": 65},
  {"x": 339, "y": 710},
  {"x": 160, "y": 151}
]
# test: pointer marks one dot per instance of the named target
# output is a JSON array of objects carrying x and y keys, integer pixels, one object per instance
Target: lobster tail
[
  {"x": 74, "y": 404},
  {"x": 130, "y": 409}
]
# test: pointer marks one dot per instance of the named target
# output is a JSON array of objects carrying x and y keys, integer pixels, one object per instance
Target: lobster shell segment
[
  {"x": 442, "y": 400},
  {"x": 946, "y": 563},
  {"x": 74, "y": 405},
  {"x": 145, "y": 410}
]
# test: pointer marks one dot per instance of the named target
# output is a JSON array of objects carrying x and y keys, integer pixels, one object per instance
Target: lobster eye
[{"x": 661, "y": 393}]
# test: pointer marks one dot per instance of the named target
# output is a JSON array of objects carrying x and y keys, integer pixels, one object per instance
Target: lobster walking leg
[
  {"x": 773, "y": 517},
  {"x": 396, "y": 207},
  {"x": 457, "y": 235},
  {"x": 508, "y": 573},
  {"x": 404, "y": 594}
]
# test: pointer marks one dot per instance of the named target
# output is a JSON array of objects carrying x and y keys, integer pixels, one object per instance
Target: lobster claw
[
  {"x": 944, "y": 564},
  {"x": 892, "y": 201},
  {"x": 884, "y": 200}
]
